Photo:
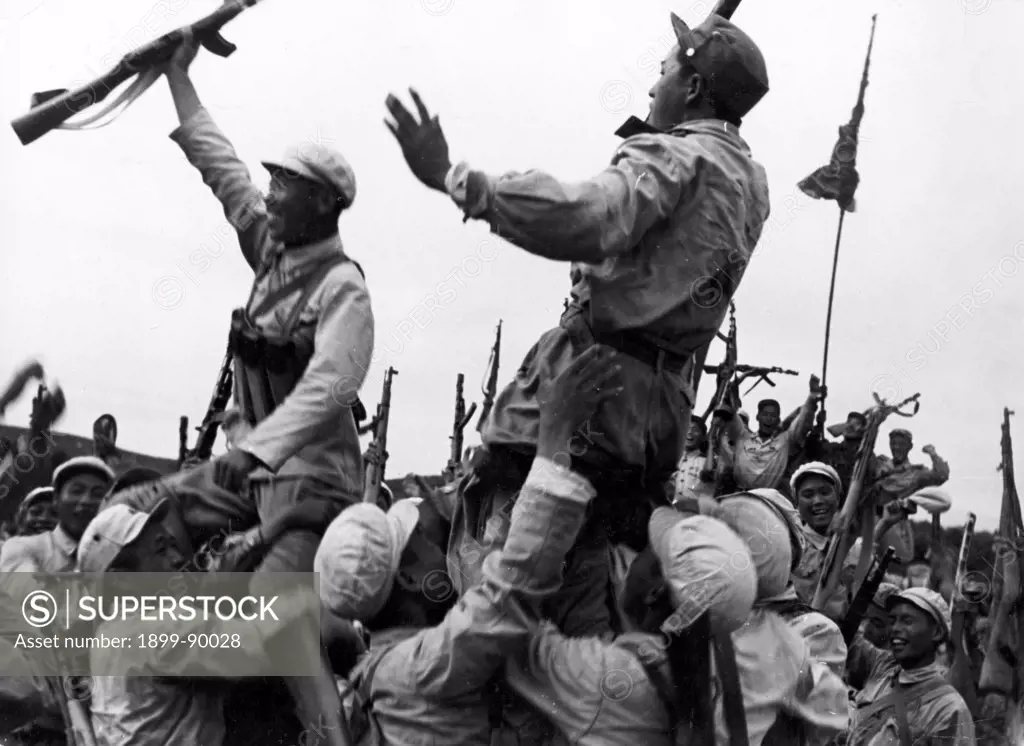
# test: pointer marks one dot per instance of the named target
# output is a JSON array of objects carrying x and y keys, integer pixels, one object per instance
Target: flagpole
[{"x": 831, "y": 298}]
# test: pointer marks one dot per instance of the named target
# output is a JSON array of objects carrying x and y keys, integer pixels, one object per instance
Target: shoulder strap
[
  {"x": 732, "y": 693},
  {"x": 900, "y": 704},
  {"x": 315, "y": 278}
]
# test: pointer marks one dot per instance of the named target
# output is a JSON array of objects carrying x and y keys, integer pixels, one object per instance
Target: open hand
[
  {"x": 573, "y": 396},
  {"x": 423, "y": 143}
]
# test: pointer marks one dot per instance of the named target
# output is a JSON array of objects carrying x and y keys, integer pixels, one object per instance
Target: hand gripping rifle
[
  {"x": 214, "y": 415},
  {"x": 378, "y": 453},
  {"x": 490, "y": 390},
  {"x": 462, "y": 418},
  {"x": 960, "y": 674},
  {"x": 865, "y": 595},
  {"x": 857, "y": 512},
  {"x": 50, "y": 109}
]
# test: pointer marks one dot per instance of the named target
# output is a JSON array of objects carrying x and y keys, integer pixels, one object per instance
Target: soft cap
[
  {"x": 359, "y": 557},
  {"x": 706, "y": 566}
]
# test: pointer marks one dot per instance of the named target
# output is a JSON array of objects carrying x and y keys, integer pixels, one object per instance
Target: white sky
[{"x": 102, "y": 225}]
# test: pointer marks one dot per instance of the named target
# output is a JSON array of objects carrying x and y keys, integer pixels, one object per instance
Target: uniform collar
[
  {"x": 707, "y": 127},
  {"x": 302, "y": 256},
  {"x": 917, "y": 675},
  {"x": 64, "y": 542}
]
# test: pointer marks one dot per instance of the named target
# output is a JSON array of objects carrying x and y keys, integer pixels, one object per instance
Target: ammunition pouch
[{"x": 268, "y": 367}]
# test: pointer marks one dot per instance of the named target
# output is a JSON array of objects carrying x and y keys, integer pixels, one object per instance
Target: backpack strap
[{"x": 732, "y": 693}]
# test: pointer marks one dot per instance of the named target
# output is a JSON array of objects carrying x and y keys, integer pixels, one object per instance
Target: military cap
[
  {"x": 901, "y": 433},
  {"x": 768, "y": 403},
  {"x": 318, "y": 163},
  {"x": 729, "y": 59}
]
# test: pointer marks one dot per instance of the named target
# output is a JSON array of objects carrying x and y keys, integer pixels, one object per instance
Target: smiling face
[
  {"x": 39, "y": 517},
  {"x": 79, "y": 501},
  {"x": 914, "y": 637},
  {"x": 817, "y": 500},
  {"x": 899, "y": 446}
]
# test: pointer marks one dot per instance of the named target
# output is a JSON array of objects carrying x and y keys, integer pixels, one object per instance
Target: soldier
[
  {"x": 659, "y": 242},
  {"x": 301, "y": 346}
]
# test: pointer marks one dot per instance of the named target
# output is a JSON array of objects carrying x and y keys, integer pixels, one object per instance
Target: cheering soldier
[
  {"x": 659, "y": 241},
  {"x": 301, "y": 346}
]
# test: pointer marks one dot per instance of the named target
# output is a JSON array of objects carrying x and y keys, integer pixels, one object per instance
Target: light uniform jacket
[
  {"x": 660, "y": 240},
  {"x": 434, "y": 687},
  {"x": 936, "y": 717},
  {"x": 313, "y": 432},
  {"x": 599, "y": 694}
]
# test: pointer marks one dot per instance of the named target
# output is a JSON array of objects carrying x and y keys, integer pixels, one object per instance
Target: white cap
[
  {"x": 816, "y": 467},
  {"x": 359, "y": 556},
  {"x": 78, "y": 465},
  {"x": 112, "y": 530},
  {"x": 707, "y": 567},
  {"x": 37, "y": 493},
  {"x": 320, "y": 164},
  {"x": 932, "y": 499}
]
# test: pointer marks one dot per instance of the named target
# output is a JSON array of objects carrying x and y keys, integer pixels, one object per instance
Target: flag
[
  {"x": 1002, "y": 673},
  {"x": 838, "y": 180}
]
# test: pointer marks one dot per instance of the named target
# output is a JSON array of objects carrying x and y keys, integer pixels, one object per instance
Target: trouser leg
[{"x": 316, "y": 697}]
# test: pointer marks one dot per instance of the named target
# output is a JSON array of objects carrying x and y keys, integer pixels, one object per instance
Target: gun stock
[
  {"x": 57, "y": 106},
  {"x": 726, "y": 8}
]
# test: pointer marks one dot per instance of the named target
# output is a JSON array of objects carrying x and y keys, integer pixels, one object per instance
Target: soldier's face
[
  {"x": 817, "y": 501},
  {"x": 695, "y": 436},
  {"x": 79, "y": 502},
  {"x": 40, "y": 517},
  {"x": 293, "y": 203},
  {"x": 913, "y": 635},
  {"x": 900, "y": 448},
  {"x": 670, "y": 95}
]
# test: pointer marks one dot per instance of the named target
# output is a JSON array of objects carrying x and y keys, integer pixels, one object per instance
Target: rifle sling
[
  {"x": 310, "y": 281},
  {"x": 732, "y": 692},
  {"x": 897, "y": 698}
]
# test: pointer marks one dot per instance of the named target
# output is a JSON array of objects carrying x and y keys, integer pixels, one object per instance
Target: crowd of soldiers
[{"x": 655, "y": 587}]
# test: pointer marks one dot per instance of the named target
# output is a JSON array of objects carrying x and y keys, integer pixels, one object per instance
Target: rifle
[
  {"x": 50, "y": 109},
  {"x": 379, "y": 446},
  {"x": 722, "y": 400},
  {"x": 865, "y": 595},
  {"x": 856, "y": 511},
  {"x": 182, "y": 441},
  {"x": 960, "y": 674},
  {"x": 762, "y": 373},
  {"x": 462, "y": 418},
  {"x": 490, "y": 389},
  {"x": 214, "y": 413},
  {"x": 1002, "y": 674}
]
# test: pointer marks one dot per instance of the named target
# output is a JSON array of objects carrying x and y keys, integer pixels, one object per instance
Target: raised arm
[
  {"x": 206, "y": 148},
  {"x": 801, "y": 424},
  {"x": 585, "y": 222},
  {"x": 940, "y": 468},
  {"x": 495, "y": 619}
]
